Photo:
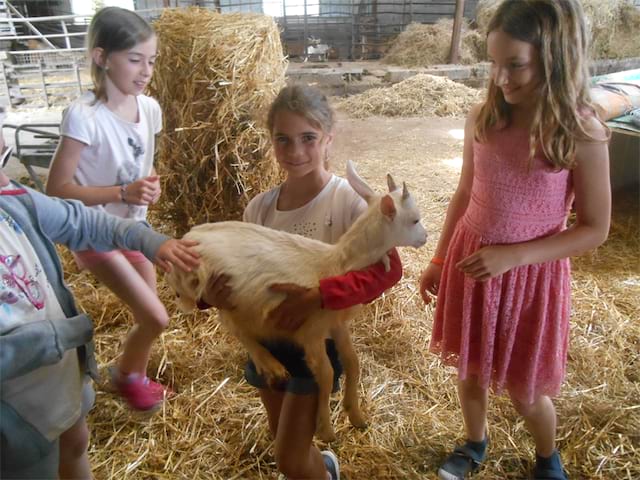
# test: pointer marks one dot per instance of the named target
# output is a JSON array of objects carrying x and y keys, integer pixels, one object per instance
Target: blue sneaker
[
  {"x": 549, "y": 468},
  {"x": 464, "y": 460},
  {"x": 331, "y": 462}
]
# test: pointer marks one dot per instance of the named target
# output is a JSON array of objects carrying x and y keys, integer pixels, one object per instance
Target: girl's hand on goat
[
  {"x": 217, "y": 292},
  {"x": 177, "y": 253},
  {"x": 296, "y": 307},
  {"x": 429, "y": 282},
  {"x": 489, "y": 262}
]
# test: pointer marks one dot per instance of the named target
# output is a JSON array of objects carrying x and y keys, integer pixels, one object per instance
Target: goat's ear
[
  {"x": 358, "y": 184},
  {"x": 391, "y": 183},
  {"x": 405, "y": 192},
  {"x": 387, "y": 207}
]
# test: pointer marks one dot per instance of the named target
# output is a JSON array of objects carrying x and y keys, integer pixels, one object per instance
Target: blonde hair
[
  {"x": 113, "y": 29},
  {"x": 558, "y": 31}
]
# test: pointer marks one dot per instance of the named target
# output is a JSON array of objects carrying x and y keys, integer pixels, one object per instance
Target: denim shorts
[{"x": 300, "y": 381}]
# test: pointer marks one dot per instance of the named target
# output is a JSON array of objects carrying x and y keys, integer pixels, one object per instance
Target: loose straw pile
[{"x": 420, "y": 95}]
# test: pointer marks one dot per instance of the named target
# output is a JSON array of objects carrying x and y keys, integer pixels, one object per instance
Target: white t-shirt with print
[
  {"x": 117, "y": 151},
  {"x": 326, "y": 218},
  {"x": 53, "y": 402}
]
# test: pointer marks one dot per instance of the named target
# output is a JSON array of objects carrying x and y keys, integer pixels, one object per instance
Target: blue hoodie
[{"x": 26, "y": 348}]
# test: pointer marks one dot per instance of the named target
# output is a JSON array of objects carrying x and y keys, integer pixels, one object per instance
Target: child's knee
[
  {"x": 74, "y": 442},
  {"x": 529, "y": 409},
  {"x": 155, "y": 322}
]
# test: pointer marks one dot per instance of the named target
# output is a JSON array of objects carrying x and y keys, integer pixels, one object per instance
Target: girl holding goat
[{"x": 317, "y": 204}]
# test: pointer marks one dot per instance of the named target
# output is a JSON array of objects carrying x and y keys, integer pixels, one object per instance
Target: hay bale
[
  {"x": 420, "y": 95},
  {"x": 420, "y": 45},
  {"x": 216, "y": 75},
  {"x": 614, "y": 26}
]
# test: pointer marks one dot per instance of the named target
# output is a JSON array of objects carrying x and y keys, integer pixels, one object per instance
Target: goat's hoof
[
  {"x": 326, "y": 434},
  {"x": 274, "y": 374},
  {"x": 357, "y": 419}
]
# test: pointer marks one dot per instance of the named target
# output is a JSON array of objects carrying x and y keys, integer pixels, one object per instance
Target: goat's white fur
[{"x": 255, "y": 257}]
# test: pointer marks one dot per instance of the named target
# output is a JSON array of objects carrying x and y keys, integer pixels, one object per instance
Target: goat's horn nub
[
  {"x": 391, "y": 183},
  {"x": 405, "y": 192}
]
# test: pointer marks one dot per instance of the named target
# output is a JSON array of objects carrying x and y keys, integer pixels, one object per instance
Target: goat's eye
[{"x": 415, "y": 222}]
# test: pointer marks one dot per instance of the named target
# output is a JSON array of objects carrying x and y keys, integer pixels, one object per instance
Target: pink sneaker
[
  {"x": 140, "y": 392},
  {"x": 159, "y": 389}
]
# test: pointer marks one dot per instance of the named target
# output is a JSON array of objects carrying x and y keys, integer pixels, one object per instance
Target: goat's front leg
[
  {"x": 316, "y": 357},
  {"x": 349, "y": 359},
  {"x": 266, "y": 364}
]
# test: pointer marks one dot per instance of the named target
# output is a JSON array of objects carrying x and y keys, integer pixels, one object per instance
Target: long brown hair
[
  {"x": 113, "y": 29},
  {"x": 558, "y": 31}
]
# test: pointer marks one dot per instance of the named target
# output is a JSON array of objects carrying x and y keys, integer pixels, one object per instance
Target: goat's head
[{"x": 398, "y": 209}]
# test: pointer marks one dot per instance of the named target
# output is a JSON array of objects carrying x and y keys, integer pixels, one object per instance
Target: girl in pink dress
[{"x": 501, "y": 271}]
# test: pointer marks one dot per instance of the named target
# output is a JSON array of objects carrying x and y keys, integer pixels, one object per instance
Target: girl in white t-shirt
[
  {"x": 316, "y": 204},
  {"x": 105, "y": 159}
]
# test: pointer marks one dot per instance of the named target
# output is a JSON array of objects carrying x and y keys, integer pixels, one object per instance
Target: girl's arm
[
  {"x": 334, "y": 293},
  {"x": 72, "y": 224},
  {"x": 593, "y": 216},
  {"x": 430, "y": 277},
  {"x": 63, "y": 168}
]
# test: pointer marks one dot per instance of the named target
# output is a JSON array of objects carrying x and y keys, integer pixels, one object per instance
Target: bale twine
[
  {"x": 420, "y": 95},
  {"x": 216, "y": 75}
]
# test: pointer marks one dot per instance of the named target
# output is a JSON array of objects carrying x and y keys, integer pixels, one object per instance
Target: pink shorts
[{"x": 90, "y": 258}]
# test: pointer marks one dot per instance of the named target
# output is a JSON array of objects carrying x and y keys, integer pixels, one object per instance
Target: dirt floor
[{"x": 215, "y": 427}]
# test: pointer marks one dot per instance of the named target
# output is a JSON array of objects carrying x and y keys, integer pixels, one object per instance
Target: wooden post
[
  {"x": 352, "y": 46},
  {"x": 455, "y": 35},
  {"x": 306, "y": 31}
]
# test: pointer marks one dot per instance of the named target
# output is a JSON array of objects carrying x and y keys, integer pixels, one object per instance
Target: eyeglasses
[
  {"x": 4, "y": 156},
  {"x": 17, "y": 278}
]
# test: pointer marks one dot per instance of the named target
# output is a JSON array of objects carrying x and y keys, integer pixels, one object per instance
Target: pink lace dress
[{"x": 510, "y": 331}]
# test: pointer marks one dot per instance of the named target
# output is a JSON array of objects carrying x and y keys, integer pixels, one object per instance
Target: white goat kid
[{"x": 255, "y": 257}]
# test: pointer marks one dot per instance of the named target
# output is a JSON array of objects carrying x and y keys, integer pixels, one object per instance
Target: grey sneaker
[
  {"x": 549, "y": 468},
  {"x": 463, "y": 461},
  {"x": 331, "y": 462}
]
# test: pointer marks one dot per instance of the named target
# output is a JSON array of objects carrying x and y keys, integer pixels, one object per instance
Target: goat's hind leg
[
  {"x": 320, "y": 366},
  {"x": 351, "y": 365}
]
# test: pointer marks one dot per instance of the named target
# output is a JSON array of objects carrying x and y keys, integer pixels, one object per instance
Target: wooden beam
[{"x": 455, "y": 35}]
